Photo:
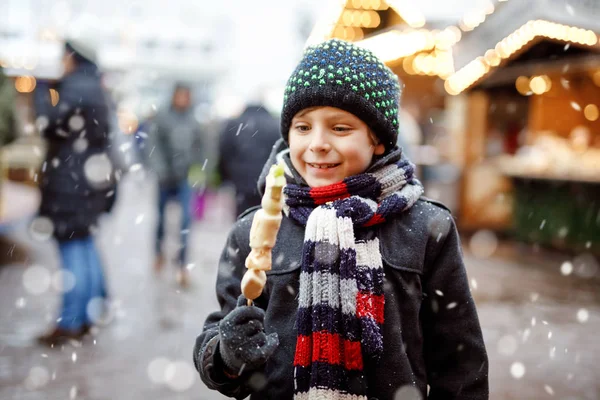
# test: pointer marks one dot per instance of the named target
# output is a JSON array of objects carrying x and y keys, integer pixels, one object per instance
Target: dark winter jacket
[
  {"x": 431, "y": 331},
  {"x": 244, "y": 146},
  {"x": 174, "y": 143},
  {"x": 76, "y": 182}
]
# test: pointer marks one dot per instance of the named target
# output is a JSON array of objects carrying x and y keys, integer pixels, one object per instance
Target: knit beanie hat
[{"x": 339, "y": 74}]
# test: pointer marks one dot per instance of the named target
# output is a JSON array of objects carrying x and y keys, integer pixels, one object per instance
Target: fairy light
[
  {"x": 591, "y": 112},
  {"x": 522, "y": 85},
  {"x": 476, "y": 69},
  {"x": 359, "y": 14},
  {"x": 596, "y": 78},
  {"x": 25, "y": 84},
  {"x": 54, "y": 97},
  {"x": 540, "y": 84}
]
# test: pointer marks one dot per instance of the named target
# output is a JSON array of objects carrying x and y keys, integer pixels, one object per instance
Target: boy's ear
[{"x": 379, "y": 149}]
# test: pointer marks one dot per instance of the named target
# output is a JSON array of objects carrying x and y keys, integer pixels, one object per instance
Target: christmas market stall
[{"x": 526, "y": 84}]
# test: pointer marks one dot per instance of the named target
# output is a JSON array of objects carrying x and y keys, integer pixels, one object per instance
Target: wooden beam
[{"x": 508, "y": 74}]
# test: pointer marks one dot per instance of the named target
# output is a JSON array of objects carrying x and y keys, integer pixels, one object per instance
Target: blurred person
[
  {"x": 173, "y": 144},
  {"x": 76, "y": 185},
  {"x": 8, "y": 126},
  {"x": 244, "y": 147}
]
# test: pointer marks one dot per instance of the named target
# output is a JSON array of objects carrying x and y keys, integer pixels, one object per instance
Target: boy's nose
[{"x": 319, "y": 142}]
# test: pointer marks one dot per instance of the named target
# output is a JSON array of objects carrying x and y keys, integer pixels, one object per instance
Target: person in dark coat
[
  {"x": 367, "y": 296},
  {"x": 174, "y": 143},
  {"x": 77, "y": 183},
  {"x": 244, "y": 146}
]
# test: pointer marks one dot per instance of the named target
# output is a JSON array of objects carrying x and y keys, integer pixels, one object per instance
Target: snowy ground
[{"x": 540, "y": 322}]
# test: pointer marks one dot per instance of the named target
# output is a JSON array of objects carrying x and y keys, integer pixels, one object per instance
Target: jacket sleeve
[
  {"x": 225, "y": 150},
  {"x": 156, "y": 149},
  {"x": 455, "y": 355},
  {"x": 207, "y": 358}
]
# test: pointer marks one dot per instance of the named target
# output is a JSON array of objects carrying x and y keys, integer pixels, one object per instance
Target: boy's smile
[{"x": 328, "y": 144}]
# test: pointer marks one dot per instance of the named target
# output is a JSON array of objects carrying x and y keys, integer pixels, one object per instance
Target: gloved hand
[{"x": 244, "y": 346}]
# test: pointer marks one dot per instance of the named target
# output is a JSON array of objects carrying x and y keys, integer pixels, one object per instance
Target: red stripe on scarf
[
  {"x": 375, "y": 219},
  {"x": 370, "y": 305},
  {"x": 322, "y": 195},
  {"x": 326, "y": 347}
]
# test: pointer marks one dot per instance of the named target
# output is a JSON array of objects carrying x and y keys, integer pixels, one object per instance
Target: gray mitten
[{"x": 244, "y": 345}]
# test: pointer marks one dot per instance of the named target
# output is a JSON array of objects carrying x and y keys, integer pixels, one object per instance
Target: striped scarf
[{"x": 341, "y": 299}]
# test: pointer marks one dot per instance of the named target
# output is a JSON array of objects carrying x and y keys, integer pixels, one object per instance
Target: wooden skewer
[{"x": 263, "y": 235}]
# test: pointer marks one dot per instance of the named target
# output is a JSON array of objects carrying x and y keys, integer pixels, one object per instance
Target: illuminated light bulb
[
  {"x": 572, "y": 34},
  {"x": 501, "y": 50},
  {"x": 456, "y": 32},
  {"x": 548, "y": 82},
  {"x": 357, "y": 3},
  {"x": 492, "y": 58},
  {"x": 355, "y": 18},
  {"x": 522, "y": 85},
  {"x": 590, "y": 38},
  {"x": 366, "y": 4},
  {"x": 407, "y": 64},
  {"x": 376, "y": 4},
  {"x": 537, "y": 24},
  {"x": 427, "y": 65},
  {"x": 365, "y": 19},
  {"x": 376, "y": 20},
  {"x": 482, "y": 63},
  {"x": 538, "y": 85},
  {"x": 596, "y": 78},
  {"x": 358, "y": 34},
  {"x": 347, "y": 17},
  {"x": 349, "y": 33},
  {"x": 54, "y": 97},
  {"x": 338, "y": 32},
  {"x": 25, "y": 84},
  {"x": 562, "y": 31},
  {"x": 471, "y": 19},
  {"x": 591, "y": 112},
  {"x": 464, "y": 27},
  {"x": 417, "y": 21},
  {"x": 449, "y": 86},
  {"x": 528, "y": 32},
  {"x": 418, "y": 64},
  {"x": 429, "y": 38}
]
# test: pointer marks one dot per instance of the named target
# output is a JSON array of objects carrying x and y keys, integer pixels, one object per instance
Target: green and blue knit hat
[{"x": 339, "y": 74}]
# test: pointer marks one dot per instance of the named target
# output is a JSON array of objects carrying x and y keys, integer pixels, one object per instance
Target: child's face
[{"x": 328, "y": 144}]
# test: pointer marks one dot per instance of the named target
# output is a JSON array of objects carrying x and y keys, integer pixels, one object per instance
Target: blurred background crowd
[{"x": 132, "y": 134}]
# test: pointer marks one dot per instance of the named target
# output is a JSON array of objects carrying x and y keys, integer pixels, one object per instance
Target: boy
[{"x": 368, "y": 296}]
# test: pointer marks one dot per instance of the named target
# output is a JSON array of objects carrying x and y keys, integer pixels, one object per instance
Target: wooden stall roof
[
  {"x": 513, "y": 28},
  {"x": 394, "y": 30}
]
